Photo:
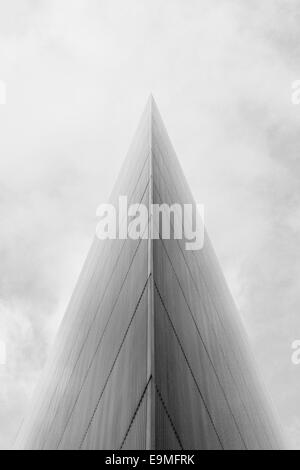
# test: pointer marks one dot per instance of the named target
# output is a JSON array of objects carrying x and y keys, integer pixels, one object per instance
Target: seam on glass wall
[
  {"x": 93, "y": 320},
  {"x": 220, "y": 322},
  {"x": 192, "y": 253},
  {"x": 217, "y": 314},
  {"x": 164, "y": 139},
  {"x": 114, "y": 363},
  {"x": 94, "y": 272},
  {"x": 180, "y": 175},
  {"x": 106, "y": 258},
  {"x": 103, "y": 335},
  {"x": 189, "y": 366},
  {"x": 150, "y": 423},
  {"x": 108, "y": 320},
  {"x": 136, "y": 412},
  {"x": 187, "y": 264},
  {"x": 204, "y": 346},
  {"x": 169, "y": 417}
]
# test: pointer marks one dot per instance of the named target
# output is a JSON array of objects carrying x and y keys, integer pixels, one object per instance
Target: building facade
[{"x": 151, "y": 353}]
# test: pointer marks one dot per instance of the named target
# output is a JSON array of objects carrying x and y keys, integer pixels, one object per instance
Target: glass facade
[{"x": 151, "y": 354}]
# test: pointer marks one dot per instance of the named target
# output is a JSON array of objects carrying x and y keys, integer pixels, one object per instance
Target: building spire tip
[{"x": 151, "y": 98}]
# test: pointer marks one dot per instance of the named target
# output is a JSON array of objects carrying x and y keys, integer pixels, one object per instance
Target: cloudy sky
[{"x": 78, "y": 74}]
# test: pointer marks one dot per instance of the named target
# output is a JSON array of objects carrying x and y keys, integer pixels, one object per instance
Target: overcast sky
[{"x": 78, "y": 74}]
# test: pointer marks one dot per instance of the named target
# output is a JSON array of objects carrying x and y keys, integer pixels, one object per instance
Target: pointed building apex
[{"x": 151, "y": 100}]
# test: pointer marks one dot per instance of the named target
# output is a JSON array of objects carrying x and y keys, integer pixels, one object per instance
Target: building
[{"x": 151, "y": 353}]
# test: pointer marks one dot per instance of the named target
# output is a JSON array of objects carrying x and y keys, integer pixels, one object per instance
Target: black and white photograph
[{"x": 150, "y": 227}]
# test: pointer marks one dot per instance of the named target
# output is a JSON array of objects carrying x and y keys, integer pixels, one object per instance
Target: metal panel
[{"x": 151, "y": 352}]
